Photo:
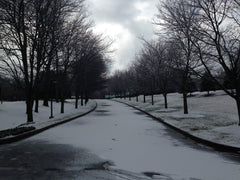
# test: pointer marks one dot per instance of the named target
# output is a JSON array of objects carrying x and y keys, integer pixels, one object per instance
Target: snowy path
[{"x": 133, "y": 142}]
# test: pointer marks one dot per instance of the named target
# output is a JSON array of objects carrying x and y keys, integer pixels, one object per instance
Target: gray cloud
[
  {"x": 113, "y": 11},
  {"x": 134, "y": 16}
]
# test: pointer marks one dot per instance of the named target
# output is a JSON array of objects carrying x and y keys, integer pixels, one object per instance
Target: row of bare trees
[
  {"x": 49, "y": 49},
  {"x": 197, "y": 38},
  {"x": 208, "y": 33},
  {"x": 154, "y": 71}
]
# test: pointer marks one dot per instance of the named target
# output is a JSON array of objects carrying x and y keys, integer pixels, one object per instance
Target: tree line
[
  {"x": 48, "y": 50},
  {"x": 198, "y": 41}
]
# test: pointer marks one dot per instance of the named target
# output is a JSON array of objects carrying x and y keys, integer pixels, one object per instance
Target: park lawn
[
  {"x": 13, "y": 114},
  {"x": 212, "y": 117}
]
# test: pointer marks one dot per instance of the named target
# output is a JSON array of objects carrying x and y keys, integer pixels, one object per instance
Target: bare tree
[
  {"x": 70, "y": 35},
  {"x": 218, "y": 42},
  {"x": 64, "y": 13},
  {"x": 25, "y": 37},
  {"x": 146, "y": 69},
  {"x": 117, "y": 84},
  {"x": 20, "y": 32},
  {"x": 49, "y": 13},
  {"x": 165, "y": 53},
  {"x": 178, "y": 17},
  {"x": 90, "y": 65},
  {"x": 142, "y": 76},
  {"x": 166, "y": 70}
]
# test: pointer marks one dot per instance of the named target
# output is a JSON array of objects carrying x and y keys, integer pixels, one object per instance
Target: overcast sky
[{"x": 124, "y": 21}]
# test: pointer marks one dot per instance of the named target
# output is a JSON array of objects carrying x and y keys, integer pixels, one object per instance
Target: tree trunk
[
  {"x": 36, "y": 101},
  {"x": 238, "y": 102},
  {"x": 76, "y": 101},
  {"x": 45, "y": 102},
  {"x": 185, "y": 105},
  {"x": 152, "y": 99},
  {"x": 165, "y": 100},
  {"x": 86, "y": 99},
  {"x": 129, "y": 97},
  {"x": 57, "y": 93},
  {"x": 144, "y": 98},
  {"x": 62, "y": 105},
  {"x": 57, "y": 78},
  {"x": 46, "y": 89},
  {"x": 29, "y": 104},
  {"x": 46, "y": 86},
  {"x": 36, "y": 105},
  {"x": 238, "y": 108},
  {"x": 81, "y": 99}
]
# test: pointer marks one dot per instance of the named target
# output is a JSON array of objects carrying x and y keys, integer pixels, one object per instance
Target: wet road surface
[{"x": 114, "y": 142}]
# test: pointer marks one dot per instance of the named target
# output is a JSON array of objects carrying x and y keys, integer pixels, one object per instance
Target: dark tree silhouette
[{"x": 207, "y": 83}]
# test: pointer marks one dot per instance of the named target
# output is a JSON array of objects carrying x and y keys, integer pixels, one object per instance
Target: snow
[
  {"x": 137, "y": 144},
  {"x": 211, "y": 117},
  {"x": 12, "y": 114},
  {"x": 187, "y": 116}
]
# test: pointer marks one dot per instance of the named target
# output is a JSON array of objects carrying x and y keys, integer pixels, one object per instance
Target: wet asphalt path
[{"x": 114, "y": 142}]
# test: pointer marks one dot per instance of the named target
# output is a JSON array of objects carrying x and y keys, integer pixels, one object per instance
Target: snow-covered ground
[
  {"x": 135, "y": 144},
  {"x": 12, "y": 114},
  {"x": 211, "y": 117}
]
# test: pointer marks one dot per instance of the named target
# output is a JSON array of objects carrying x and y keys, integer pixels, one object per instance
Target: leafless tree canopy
[
  {"x": 198, "y": 39},
  {"x": 39, "y": 43}
]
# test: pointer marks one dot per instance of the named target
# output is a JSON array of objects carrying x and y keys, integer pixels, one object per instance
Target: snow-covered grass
[
  {"x": 12, "y": 114},
  {"x": 211, "y": 117}
]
